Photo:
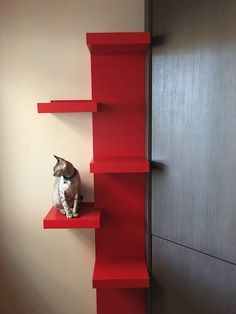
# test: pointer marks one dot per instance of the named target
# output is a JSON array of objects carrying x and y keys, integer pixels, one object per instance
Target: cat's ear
[{"x": 58, "y": 158}]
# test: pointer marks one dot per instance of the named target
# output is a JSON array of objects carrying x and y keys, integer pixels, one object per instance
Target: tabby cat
[{"x": 67, "y": 188}]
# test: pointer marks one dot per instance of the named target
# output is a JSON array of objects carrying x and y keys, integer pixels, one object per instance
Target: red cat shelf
[{"x": 118, "y": 65}]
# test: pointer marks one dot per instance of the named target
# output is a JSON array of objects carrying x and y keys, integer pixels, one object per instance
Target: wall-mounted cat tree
[{"x": 119, "y": 167}]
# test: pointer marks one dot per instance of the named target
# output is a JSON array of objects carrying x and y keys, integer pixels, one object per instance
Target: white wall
[{"x": 43, "y": 56}]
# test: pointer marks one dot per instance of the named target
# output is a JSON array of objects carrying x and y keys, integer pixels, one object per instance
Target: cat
[{"x": 67, "y": 188}]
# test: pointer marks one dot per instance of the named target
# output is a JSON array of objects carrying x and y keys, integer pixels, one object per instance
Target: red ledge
[
  {"x": 121, "y": 273},
  {"x": 59, "y": 106},
  {"x": 89, "y": 217},
  {"x": 118, "y": 43},
  {"x": 120, "y": 165}
]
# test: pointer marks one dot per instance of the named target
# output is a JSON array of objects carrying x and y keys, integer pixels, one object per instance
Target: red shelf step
[
  {"x": 89, "y": 217},
  {"x": 118, "y": 43},
  {"x": 57, "y": 106},
  {"x": 120, "y": 165},
  {"x": 121, "y": 273}
]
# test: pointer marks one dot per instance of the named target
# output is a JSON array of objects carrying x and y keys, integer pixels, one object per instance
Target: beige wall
[{"x": 43, "y": 56}]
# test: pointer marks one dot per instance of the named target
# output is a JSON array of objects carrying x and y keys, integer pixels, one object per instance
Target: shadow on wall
[
  {"x": 75, "y": 123},
  {"x": 27, "y": 290},
  {"x": 14, "y": 287}
]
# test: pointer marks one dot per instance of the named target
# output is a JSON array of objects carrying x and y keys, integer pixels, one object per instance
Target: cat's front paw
[
  {"x": 69, "y": 215},
  {"x": 75, "y": 215}
]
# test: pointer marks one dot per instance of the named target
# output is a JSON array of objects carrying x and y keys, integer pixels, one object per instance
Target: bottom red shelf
[
  {"x": 89, "y": 217},
  {"x": 121, "y": 273}
]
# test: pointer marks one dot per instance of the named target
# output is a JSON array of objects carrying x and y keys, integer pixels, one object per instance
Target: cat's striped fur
[{"x": 67, "y": 188}]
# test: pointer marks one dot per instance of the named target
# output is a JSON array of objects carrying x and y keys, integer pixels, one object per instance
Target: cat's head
[{"x": 61, "y": 167}]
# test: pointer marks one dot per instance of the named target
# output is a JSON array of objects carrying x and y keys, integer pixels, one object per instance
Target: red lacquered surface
[
  {"x": 119, "y": 165},
  {"x": 118, "y": 43},
  {"x": 120, "y": 273},
  {"x": 120, "y": 301},
  {"x": 118, "y": 84},
  {"x": 89, "y": 217},
  {"x": 122, "y": 233},
  {"x": 58, "y": 106}
]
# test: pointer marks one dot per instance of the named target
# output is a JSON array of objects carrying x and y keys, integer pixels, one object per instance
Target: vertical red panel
[
  {"x": 120, "y": 301},
  {"x": 118, "y": 85},
  {"x": 122, "y": 233}
]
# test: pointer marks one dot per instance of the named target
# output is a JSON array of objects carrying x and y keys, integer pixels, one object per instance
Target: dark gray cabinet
[
  {"x": 194, "y": 140},
  {"x": 189, "y": 282}
]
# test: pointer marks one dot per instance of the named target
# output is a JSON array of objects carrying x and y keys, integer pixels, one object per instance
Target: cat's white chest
[
  {"x": 60, "y": 187},
  {"x": 64, "y": 184}
]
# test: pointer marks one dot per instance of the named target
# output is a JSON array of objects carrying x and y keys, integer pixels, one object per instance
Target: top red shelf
[
  {"x": 58, "y": 106},
  {"x": 118, "y": 43}
]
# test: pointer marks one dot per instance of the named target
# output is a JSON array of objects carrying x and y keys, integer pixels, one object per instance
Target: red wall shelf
[
  {"x": 121, "y": 273},
  {"x": 118, "y": 68},
  {"x": 119, "y": 165},
  {"x": 59, "y": 106},
  {"x": 89, "y": 218}
]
